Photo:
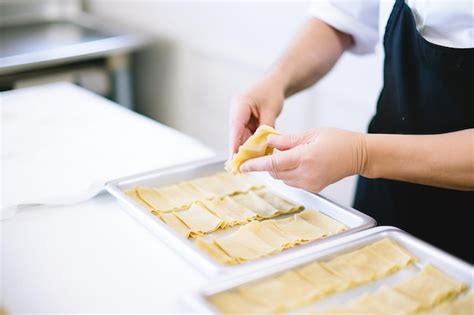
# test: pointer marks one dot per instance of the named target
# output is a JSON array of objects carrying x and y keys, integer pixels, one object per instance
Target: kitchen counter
[{"x": 91, "y": 256}]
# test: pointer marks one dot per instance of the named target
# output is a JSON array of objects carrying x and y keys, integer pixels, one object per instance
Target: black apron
[{"x": 428, "y": 89}]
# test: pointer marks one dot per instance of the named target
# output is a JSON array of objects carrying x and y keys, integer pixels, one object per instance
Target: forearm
[
  {"x": 444, "y": 160},
  {"x": 312, "y": 54}
]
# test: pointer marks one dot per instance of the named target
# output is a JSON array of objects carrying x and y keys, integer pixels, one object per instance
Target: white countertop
[{"x": 88, "y": 257}]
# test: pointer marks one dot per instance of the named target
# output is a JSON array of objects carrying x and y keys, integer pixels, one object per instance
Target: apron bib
[{"x": 428, "y": 89}]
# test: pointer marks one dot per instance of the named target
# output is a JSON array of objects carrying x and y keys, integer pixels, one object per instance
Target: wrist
[
  {"x": 279, "y": 76},
  {"x": 371, "y": 149}
]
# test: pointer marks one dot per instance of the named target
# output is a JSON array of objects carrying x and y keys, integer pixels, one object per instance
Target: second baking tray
[
  {"x": 353, "y": 219},
  {"x": 424, "y": 252}
]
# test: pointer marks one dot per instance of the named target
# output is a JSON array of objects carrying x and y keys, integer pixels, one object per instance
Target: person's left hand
[{"x": 314, "y": 159}]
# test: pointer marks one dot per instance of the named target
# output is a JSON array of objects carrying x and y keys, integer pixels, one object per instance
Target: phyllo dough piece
[
  {"x": 430, "y": 286},
  {"x": 211, "y": 249},
  {"x": 283, "y": 205},
  {"x": 233, "y": 303},
  {"x": 283, "y": 292},
  {"x": 196, "y": 193},
  {"x": 182, "y": 197},
  {"x": 324, "y": 282},
  {"x": 463, "y": 305},
  {"x": 132, "y": 193},
  {"x": 258, "y": 205},
  {"x": 219, "y": 186},
  {"x": 269, "y": 233},
  {"x": 199, "y": 220},
  {"x": 255, "y": 146},
  {"x": 229, "y": 211},
  {"x": 244, "y": 245},
  {"x": 155, "y": 200},
  {"x": 239, "y": 183},
  {"x": 359, "y": 266},
  {"x": 322, "y": 221},
  {"x": 173, "y": 221},
  {"x": 385, "y": 300},
  {"x": 297, "y": 230},
  {"x": 389, "y": 250}
]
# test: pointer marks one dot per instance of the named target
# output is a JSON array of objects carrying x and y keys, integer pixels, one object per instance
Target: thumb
[{"x": 286, "y": 142}]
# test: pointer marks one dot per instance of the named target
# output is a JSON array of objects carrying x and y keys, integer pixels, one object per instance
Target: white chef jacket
[{"x": 442, "y": 22}]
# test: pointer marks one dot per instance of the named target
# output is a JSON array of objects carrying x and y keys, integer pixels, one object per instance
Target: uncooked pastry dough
[
  {"x": 199, "y": 220},
  {"x": 430, "y": 286},
  {"x": 255, "y": 146},
  {"x": 258, "y": 205}
]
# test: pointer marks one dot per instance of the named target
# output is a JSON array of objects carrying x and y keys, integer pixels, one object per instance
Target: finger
[
  {"x": 275, "y": 163},
  {"x": 293, "y": 183},
  {"x": 238, "y": 120},
  {"x": 286, "y": 142},
  {"x": 286, "y": 175}
]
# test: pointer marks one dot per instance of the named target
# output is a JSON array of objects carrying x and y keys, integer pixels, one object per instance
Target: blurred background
[{"x": 180, "y": 62}]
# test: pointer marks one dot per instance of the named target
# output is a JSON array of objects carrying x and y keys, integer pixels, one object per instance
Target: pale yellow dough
[
  {"x": 463, "y": 305},
  {"x": 282, "y": 293},
  {"x": 322, "y": 221},
  {"x": 430, "y": 286},
  {"x": 255, "y": 146},
  {"x": 231, "y": 212},
  {"x": 302, "y": 285},
  {"x": 199, "y": 219},
  {"x": 252, "y": 201}
]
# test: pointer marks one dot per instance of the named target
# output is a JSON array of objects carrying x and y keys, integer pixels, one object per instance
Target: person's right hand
[{"x": 259, "y": 105}]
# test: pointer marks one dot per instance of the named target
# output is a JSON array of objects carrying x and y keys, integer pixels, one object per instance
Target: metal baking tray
[
  {"x": 353, "y": 219},
  {"x": 425, "y": 253}
]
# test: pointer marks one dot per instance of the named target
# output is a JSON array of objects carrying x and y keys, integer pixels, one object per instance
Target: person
[{"x": 416, "y": 163}]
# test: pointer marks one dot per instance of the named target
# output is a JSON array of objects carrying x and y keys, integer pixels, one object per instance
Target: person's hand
[
  {"x": 314, "y": 159},
  {"x": 260, "y": 105}
]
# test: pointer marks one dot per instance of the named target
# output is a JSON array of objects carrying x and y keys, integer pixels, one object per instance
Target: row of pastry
[
  {"x": 182, "y": 195},
  {"x": 262, "y": 238},
  {"x": 207, "y": 215},
  {"x": 419, "y": 293},
  {"x": 304, "y": 285}
]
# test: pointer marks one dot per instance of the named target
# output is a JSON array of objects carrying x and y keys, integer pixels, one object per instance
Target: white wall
[{"x": 206, "y": 52}]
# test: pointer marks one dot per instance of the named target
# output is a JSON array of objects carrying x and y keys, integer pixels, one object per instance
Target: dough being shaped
[
  {"x": 255, "y": 146},
  {"x": 258, "y": 205},
  {"x": 199, "y": 220},
  {"x": 282, "y": 205},
  {"x": 430, "y": 286},
  {"x": 322, "y": 221},
  {"x": 231, "y": 212}
]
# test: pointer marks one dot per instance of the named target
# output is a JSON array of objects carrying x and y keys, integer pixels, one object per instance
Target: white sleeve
[{"x": 359, "y": 18}]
